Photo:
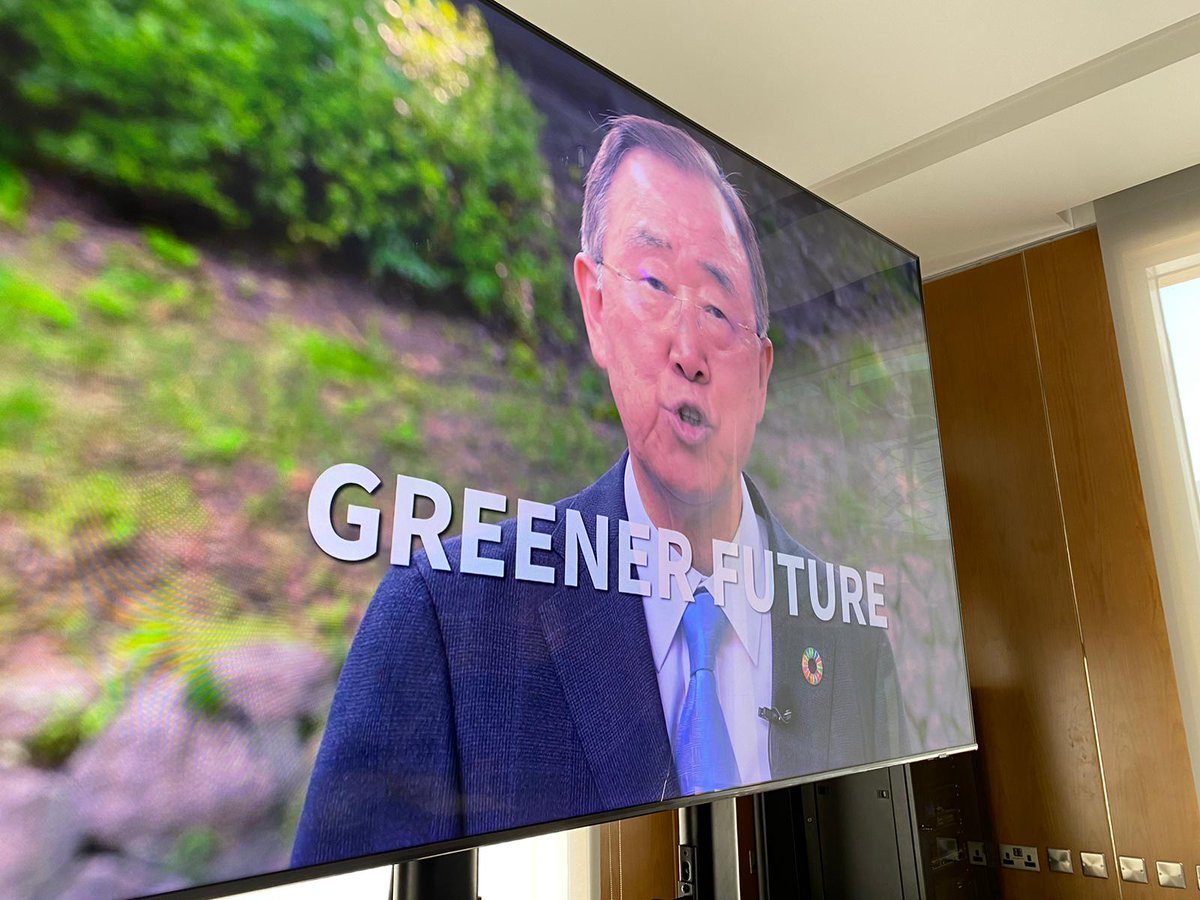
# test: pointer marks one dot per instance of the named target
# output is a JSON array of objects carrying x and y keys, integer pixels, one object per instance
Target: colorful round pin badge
[{"x": 813, "y": 666}]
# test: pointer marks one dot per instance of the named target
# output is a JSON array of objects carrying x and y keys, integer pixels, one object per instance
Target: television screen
[{"x": 410, "y": 433}]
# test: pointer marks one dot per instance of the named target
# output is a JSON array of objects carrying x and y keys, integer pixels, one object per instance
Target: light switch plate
[
  {"x": 976, "y": 853},
  {"x": 1018, "y": 856},
  {"x": 1170, "y": 874},
  {"x": 1133, "y": 868},
  {"x": 1093, "y": 864},
  {"x": 1059, "y": 861}
]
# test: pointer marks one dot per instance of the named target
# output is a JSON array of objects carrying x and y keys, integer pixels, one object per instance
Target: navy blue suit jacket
[{"x": 470, "y": 704}]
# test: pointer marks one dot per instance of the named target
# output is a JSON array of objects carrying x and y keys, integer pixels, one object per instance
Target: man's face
[{"x": 689, "y": 399}]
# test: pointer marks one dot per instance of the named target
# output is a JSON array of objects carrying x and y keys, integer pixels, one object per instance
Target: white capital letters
[
  {"x": 529, "y": 540},
  {"x": 627, "y": 557},
  {"x": 407, "y": 526},
  {"x": 792, "y": 564},
  {"x": 595, "y": 559},
  {"x": 320, "y": 521},
  {"x": 676, "y": 568},
  {"x": 875, "y": 599},
  {"x": 852, "y": 594},
  {"x": 823, "y": 611},
  {"x": 723, "y": 574},
  {"x": 758, "y": 602},
  {"x": 476, "y": 530}
]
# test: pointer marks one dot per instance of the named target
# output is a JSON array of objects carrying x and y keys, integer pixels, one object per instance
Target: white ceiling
[{"x": 958, "y": 129}]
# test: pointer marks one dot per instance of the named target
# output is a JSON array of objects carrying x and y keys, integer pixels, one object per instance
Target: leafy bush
[
  {"x": 219, "y": 444},
  {"x": 66, "y": 230},
  {"x": 14, "y": 192},
  {"x": 22, "y": 412},
  {"x": 389, "y": 134},
  {"x": 170, "y": 249},
  {"x": 202, "y": 692},
  {"x": 33, "y": 300},
  {"x": 102, "y": 500},
  {"x": 193, "y": 852},
  {"x": 54, "y": 742},
  {"x": 107, "y": 300},
  {"x": 338, "y": 358}
]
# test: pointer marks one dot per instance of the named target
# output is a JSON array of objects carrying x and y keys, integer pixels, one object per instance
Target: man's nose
[{"x": 687, "y": 352}]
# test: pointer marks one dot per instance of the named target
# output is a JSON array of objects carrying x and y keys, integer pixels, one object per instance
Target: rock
[
  {"x": 279, "y": 289},
  {"x": 160, "y": 769},
  {"x": 92, "y": 254},
  {"x": 39, "y": 831},
  {"x": 37, "y": 684},
  {"x": 111, "y": 876},
  {"x": 273, "y": 681},
  {"x": 13, "y": 754},
  {"x": 253, "y": 853},
  {"x": 279, "y": 746}
]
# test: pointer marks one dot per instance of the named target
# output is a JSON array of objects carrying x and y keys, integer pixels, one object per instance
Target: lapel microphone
[{"x": 774, "y": 715}]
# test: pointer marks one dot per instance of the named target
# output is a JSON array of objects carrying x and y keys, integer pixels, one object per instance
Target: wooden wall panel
[
  {"x": 638, "y": 857},
  {"x": 1152, "y": 798},
  {"x": 1033, "y": 719}
]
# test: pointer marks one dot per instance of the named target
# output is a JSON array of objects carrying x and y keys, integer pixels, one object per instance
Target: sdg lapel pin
[{"x": 813, "y": 666}]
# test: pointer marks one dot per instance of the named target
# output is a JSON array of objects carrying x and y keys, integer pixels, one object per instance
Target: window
[{"x": 1179, "y": 300}]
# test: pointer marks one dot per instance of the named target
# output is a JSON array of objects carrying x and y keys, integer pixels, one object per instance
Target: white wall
[{"x": 559, "y": 866}]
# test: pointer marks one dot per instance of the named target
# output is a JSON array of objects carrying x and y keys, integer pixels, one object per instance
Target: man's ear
[
  {"x": 766, "y": 359},
  {"x": 587, "y": 283}
]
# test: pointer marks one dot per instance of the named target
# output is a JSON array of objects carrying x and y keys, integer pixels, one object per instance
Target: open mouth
[{"x": 690, "y": 415}]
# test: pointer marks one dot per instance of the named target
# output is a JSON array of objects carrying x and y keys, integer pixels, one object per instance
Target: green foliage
[
  {"x": 338, "y": 358},
  {"x": 523, "y": 364},
  {"x": 193, "y": 852},
  {"x": 202, "y": 693},
  {"x": 14, "y": 193},
  {"x": 110, "y": 507},
  {"x": 766, "y": 471},
  {"x": 595, "y": 396},
  {"x": 404, "y": 435},
  {"x": 170, "y": 249},
  {"x": 100, "y": 500},
  {"x": 171, "y": 630},
  {"x": 553, "y": 439},
  {"x": 59, "y": 736},
  {"x": 66, "y": 231},
  {"x": 387, "y": 133},
  {"x": 127, "y": 289},
  {"x": 218, "y": 444},
  {"x": 333, "y": 621},
  {"x": 109, "y": 301},
  {"x": 22, "y": 411},
  {"x": 33, "y": 300},
  {"x": 94, "y": 719}
]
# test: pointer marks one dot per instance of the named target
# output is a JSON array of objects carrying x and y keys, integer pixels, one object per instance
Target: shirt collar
[{"x": 663, "y": 616}]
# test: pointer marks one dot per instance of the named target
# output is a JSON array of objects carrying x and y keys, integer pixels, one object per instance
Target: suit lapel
[
  {"x": 601, "y": 650},
  {"x": 801, "y": 744}
]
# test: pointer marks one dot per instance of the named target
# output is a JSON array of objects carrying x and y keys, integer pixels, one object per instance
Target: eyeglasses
[{"x": 653, "y": 302}]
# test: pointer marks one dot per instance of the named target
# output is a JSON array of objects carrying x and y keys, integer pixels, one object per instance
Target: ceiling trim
[{"x": 1113, "y": 69}]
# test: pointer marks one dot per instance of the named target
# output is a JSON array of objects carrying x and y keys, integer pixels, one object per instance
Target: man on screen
[{"x": 472, "y": 704}]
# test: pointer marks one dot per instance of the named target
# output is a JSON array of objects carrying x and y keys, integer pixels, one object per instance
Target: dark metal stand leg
[
  {"x": 696, "y": 856},
  {"x": 454, "y": 876}
]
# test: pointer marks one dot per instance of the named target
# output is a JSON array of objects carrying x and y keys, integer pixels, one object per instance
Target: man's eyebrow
[
  {"x": 720, "y": 276},
  {"x": 643, "y": 238}
]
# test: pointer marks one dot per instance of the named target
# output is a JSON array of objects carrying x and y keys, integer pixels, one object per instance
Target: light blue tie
[{"x": 703, "y": 752}]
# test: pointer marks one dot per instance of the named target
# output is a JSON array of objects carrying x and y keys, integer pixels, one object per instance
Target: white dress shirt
[{"x": 743, "y": 666}]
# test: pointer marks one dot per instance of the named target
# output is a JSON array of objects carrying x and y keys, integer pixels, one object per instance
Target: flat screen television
[{"x": 412, "y": 436}]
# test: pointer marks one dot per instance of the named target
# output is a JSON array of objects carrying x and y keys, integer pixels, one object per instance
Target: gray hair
[{"x": 628, "y": 133}]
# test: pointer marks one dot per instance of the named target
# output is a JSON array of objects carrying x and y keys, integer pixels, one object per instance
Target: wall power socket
[{"x": 1016, "y": 856}]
